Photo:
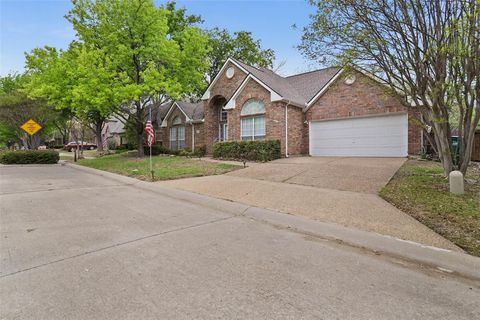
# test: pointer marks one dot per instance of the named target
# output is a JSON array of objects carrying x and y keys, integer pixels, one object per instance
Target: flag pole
[{"x": 150, "y": 118}]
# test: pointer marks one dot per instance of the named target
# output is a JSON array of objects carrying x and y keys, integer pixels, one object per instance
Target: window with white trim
[
  {"x": 181, "y": 137},
  {"x": 252, "y": 123},
  {"x": 223, "y": 115},
  {"x": 177, "y": 138},
  {"x": 173, "y": 138}
]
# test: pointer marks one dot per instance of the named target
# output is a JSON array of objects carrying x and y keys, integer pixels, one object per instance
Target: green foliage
[
  {"x": 16, "y": 108},
  {"x": 261, "y": 150},
  {"x": 240, "y": 46},
  {"x": 148, "y": 52},
  {"x": 55, "y": 146},
  {"x": 29, "y": 157},
  {"x": 200, "y": 151},
  {"x": 420, "y": 190},
  {"x": 392, "y": 39},
  {"x": 158, "y": 149}
]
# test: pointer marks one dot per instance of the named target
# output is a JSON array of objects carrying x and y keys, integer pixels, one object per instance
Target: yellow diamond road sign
[{"x": 31, "y": 127}]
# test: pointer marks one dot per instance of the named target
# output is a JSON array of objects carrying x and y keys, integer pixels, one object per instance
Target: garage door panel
[{"x": 385, "y": 136}]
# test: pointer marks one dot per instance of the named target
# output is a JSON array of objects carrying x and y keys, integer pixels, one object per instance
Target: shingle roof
[
  {"x": 310, "y": 83},
  {"x": 193, "y": 110},
  {"x": 159, "y": 111},
  {"x": 300, "y": 88}
]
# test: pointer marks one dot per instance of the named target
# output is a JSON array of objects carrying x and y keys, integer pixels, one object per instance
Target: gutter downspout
[
  {"x": 286, "y": 129},
  {"x": 193, "y": 137}
]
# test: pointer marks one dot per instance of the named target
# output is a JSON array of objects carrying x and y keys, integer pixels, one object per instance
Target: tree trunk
[
  {"x": 442, "y": 139},
  {"x": 141, "y": 152},
  {"x": 467, "y": 154},
  {"x": 98, "y": 134}
]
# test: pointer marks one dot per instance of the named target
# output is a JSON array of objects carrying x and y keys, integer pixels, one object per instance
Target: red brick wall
[
  {"x": 163, "y": 134},
  {"x": 199, "y": 135},
  {"x": 364, "y": 97},
  {"x": 225, "y": 88},
  {"x": 274, "y": 118}
]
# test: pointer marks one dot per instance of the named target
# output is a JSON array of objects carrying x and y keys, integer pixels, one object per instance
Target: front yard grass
[
  {"x": 420, "y": 190},
  {"x": 164, "y": 167}
]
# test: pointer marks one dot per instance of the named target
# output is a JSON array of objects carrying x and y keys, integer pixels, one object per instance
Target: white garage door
[{"x": 382, "y": 136}]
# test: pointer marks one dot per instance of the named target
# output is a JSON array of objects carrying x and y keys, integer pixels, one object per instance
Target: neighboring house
[
  {"x": 327, "y": 112},
  {"x": 114, "y": 129}
]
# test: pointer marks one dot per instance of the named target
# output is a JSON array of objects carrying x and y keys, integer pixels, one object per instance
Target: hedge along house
[{"x": 327, "y": 112}]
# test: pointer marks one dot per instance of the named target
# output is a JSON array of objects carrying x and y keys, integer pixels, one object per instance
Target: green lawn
[
  {"x": 420, "y": 190},
  {"x": 164, "y": 167}
]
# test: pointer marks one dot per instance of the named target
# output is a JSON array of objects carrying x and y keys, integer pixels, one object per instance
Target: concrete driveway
[
  {"x": 76, "y": 245},
  {"x": 338, "y": 190},
  {"x": 364, "y": 175}
]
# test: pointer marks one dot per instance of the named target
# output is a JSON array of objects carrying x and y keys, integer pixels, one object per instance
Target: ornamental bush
[
  {"x": 29, "y": 157},
  {"x": 158, "y": 149},
  {"x": 260, "y": 150}
]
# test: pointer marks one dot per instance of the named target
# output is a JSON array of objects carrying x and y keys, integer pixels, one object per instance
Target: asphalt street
[{"x": 76, "y": 245}]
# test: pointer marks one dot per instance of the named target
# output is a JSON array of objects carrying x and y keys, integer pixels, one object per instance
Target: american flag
[{"x": 150, "y": 133}]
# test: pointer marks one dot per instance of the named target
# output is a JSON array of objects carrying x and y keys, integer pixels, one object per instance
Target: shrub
[
  {"x": 261, "y": 150},
  {"x": 55, "y": 146},
  {"x": 200, "y": 151},
  {"x": 158, "y": 149},
  {"x": 29, "y": 157}
]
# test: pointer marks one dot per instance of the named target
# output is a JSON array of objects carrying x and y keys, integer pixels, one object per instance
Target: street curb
[{"x": 441, "y": 259}]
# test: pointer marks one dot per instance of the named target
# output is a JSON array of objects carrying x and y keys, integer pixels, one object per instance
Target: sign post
[{"x": 31, "y": 127}]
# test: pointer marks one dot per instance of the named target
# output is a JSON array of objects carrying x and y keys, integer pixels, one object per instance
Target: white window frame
[
  {"x": 181, "y": 142},
  {"x": 170, "y": 135},
  {"x": 177, "y": 143},
  {"x": 223, "y": 112},
  {"x": 253, "y": 136}
]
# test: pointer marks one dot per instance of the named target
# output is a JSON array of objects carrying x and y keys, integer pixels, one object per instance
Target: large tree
[
  {"x": 427, "y": 51},
  {"x": 147, "y": 59},
  {"x": 16, "y": 108},
  {"x": 75, "y": 81},
  {"x": 241, "y": 46}
]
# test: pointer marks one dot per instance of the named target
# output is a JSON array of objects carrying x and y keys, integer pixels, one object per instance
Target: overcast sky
[{"x": 26, "y": 24}]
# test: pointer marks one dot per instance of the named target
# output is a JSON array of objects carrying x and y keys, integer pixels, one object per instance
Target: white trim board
[
  {"x": 164, "y": 122},
  {"x": 206, "y": 94},
  {"x": 274, "y": 96}
]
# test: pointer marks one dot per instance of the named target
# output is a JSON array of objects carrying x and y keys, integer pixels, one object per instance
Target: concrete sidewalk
[{"x": 366, "y": 212}]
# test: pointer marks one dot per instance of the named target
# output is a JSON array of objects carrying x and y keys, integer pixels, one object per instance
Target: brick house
[{"x": 327, "y": 112}]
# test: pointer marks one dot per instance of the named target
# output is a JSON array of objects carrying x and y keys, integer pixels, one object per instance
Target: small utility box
[{"x": 456, "y": 182}]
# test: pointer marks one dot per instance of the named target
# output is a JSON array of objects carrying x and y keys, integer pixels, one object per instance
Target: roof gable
[
  {"x": 308, "y": 84},
  {"x": 206, "y": 94},
  {"x": 297, "y": 90},
  {"x": 191, "y": 111}
]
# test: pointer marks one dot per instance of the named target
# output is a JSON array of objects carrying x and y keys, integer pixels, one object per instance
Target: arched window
[
  {"x": 252, "y": 107},
  {"x": 253, "y": 120}
]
